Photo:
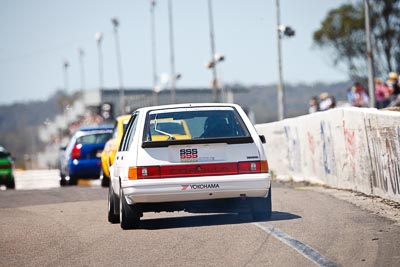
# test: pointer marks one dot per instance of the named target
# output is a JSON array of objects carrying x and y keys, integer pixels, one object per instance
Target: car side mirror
[{"x": 262, "y": 138}]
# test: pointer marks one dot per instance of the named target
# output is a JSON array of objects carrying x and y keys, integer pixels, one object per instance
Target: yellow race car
[
  {"x": 111, "y": 148},
  {"x": 165, "y": 129}
]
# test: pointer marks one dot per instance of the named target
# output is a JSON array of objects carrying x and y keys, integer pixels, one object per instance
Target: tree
[{"x": 343, "y": 33}]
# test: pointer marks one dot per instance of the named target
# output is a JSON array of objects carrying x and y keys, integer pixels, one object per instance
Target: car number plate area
[{"x": 197, "y": 153}]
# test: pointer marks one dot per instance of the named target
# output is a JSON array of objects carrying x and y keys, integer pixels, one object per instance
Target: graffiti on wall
[
  {"x": 350, "y": 147},
  {"x": 328, "y": 154},
  {"x": 311, "y": 147},
  {"x": 293, "y": 154},
  {"x": 384, "y": 145}
]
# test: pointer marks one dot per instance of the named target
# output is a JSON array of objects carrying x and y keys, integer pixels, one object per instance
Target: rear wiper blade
[{"x": 170, "y": 136}]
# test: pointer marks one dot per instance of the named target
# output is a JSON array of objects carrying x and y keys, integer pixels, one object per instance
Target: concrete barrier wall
[{"x": 347, "y": 148}]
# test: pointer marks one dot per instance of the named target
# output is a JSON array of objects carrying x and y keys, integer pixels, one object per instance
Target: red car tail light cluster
[
  {"x": 76, "y": 151},
  {"x": 192, "y": 170},
  {"x": 5, "y": 166}
]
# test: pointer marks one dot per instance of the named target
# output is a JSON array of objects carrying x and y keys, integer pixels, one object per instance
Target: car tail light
[
  {"x": 249, "y": 167},
  {"x": 264, "y": 166},
  {"x": 76, "y": 151},
  {"x": 132, "y": 173},
  {"x": 253, "y": 166},
  {"x": 146, "y": 172},
  {"x": 5, "y": 166},
  {"x": 192, "y": 170}
]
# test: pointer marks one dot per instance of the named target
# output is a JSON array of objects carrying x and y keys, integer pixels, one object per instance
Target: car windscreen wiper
[{"x": 170, "y": 136}]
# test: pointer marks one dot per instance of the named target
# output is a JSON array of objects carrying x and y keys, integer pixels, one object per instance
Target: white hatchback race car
[{"x": 191, "y": 157}]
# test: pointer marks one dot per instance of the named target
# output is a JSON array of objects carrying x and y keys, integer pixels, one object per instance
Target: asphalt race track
[{"x": 68, "y": 227}]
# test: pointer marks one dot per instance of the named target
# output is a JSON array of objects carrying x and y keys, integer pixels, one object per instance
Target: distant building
[{"x": 137, "y": 98}]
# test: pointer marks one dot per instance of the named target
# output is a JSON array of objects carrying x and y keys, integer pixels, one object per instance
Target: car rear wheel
[
  {"x": 63, "y": 181},
  {"x": 129, "y": 215},
  {"x": 73, "y": 180},
  {"x": 105, "y": 180},
  {"x": 112, "y": 217},
  {"x": 11, "y": 184},
  {"x": 262, "y": 207}
]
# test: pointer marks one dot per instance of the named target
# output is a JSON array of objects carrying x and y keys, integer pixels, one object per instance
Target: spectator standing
[
  {"x": 357, "y": 95},
  {"x": 313, "y": 105},
  {"x": 395, "y": 102},
  {"x": 326, "y": 102},
  {"x": 382, "y": 94},
  {"x": 393, "y": 85}
]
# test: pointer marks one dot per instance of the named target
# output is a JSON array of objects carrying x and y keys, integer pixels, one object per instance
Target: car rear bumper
[
  {"x": 6, "y": 175},
  {"x": 196, "y": 188},
  {"x": 85, "y": 168}
]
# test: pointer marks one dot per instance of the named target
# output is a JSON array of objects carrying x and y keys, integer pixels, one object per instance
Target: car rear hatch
[
  {"x": 90, "y": 146},
  {"x": 217, "y": 143}
]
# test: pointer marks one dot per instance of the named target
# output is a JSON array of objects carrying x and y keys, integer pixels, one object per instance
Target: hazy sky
[{"x": 38, "y": 35}]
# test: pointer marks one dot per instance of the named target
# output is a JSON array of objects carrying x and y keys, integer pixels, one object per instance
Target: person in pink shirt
[{"x": 382, "y": 94}]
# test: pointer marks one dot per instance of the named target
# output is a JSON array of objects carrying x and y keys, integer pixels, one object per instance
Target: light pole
[
  {"x": 371, "y": 85},
  {"x": 153, "y": 40},
  {"x": 281, "y": 95},
  {"x": 153, "y": 49},
  {"x": 99, "y": 37},
  {"x": 212, "y": 63},
  {"x": 66, "y": 87},
  {"x": 281, "y": 31},
  {"x": 65, "y": 71},
  {"x": 115, "y": 23},
  {"x": 81, "y": 54},
  {"x": 172, "y": 53}
]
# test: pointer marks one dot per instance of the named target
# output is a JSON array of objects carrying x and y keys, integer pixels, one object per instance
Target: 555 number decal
[{"x": 188, "y": 153}]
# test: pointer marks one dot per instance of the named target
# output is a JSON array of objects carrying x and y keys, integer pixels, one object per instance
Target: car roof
[
  {"x": 123, "y": 117},
  {"x": 188, "y": 105},
  {"x": 95, "y": 128}
]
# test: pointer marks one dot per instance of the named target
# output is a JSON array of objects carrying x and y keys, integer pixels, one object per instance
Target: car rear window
[
  {"x": 194, "y": 123},
  {"x": 97, "y": 138},
  {"x": 169, "y": 126},
  {"x": 4, "y": 154}
]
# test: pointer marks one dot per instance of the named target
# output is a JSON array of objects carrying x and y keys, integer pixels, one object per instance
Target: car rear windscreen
[
  {"x": 97, "y": 138},
  {"x": 194, "y": 123}
]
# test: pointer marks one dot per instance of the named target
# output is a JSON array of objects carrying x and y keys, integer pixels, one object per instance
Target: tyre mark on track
[{"x": 305, "y": 250}]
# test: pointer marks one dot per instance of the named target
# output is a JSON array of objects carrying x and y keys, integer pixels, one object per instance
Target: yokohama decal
[{"x": 200, "y": 186}]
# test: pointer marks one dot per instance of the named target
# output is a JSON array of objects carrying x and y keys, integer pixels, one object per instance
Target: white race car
[{"x": 192, "y": 157}]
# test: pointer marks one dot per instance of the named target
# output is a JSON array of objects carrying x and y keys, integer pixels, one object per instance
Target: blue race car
[{"x": 81, "y": 157}]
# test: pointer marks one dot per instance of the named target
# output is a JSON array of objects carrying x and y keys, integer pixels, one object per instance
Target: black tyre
[
  {"x": 112, "y": 201},
  {"x": 63, "y": 182},
  {"x": 129, "y": 215},
  {"x": 262, "y": 207},
  {"x": 73, "y": 180},
  {"x": 105, "y": 180},
  {"x": 11, "y": 184}
]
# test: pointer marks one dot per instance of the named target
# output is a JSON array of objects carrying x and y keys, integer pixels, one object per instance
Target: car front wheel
[{"x": 129, "y": 215}]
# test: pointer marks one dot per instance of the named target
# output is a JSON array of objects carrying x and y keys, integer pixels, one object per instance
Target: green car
[{"x": 6, "y": 169}]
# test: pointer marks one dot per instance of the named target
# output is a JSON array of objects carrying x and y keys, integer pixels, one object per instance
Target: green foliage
[
  {"x": 386, "y": 34},
  {"x": 342, "y": 32}
]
